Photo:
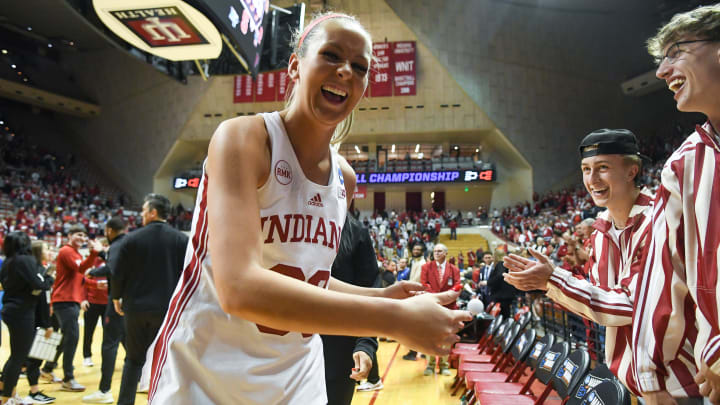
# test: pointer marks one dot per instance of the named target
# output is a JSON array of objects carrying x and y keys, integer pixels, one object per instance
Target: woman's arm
[{"x": 238, "y": 162}]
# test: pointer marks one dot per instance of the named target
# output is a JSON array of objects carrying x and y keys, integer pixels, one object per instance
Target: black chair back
[
  {"x": 510, "y": 337},
  {"x": 523, "y": 345},
  {"x": 502, "y": 329},
  {"x": 539, "y": 349},
  {"x": 573, "y": 370},
  {"x": 494, "y": 325},
  {"x": 610, "y": 392},
  {"x": 551, "y": 362},
  {"x": 591, "y": 380},
  {"x": 524, "y": 320}
]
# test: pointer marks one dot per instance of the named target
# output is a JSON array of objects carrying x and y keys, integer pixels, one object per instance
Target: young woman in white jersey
[{"x": 273, "y": 197}]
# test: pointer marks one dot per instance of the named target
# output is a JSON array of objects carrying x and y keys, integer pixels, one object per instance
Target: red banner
[
  {"x": 265, "y": 87},
  {"x": 283, "y": 84},
  {"x": 380, "y": 75},
  {"x": 403, "y": 68},
  {"x": 360, "y": 192},
  {"x": 243, "y": 89}
]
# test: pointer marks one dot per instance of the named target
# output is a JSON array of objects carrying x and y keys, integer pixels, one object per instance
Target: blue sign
[{"x": 445, "y": 176}]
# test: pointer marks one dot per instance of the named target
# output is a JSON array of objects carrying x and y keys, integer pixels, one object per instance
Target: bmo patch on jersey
[
  {"x": 283, "y": 172},
  {"x": 341, "y": 193}
]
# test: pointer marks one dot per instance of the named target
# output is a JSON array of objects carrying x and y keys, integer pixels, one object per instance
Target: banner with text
[
  {"x": 243, "y": 89},
  {"x": 403, "y": 68},
  {"x": 380, "y": 84}
]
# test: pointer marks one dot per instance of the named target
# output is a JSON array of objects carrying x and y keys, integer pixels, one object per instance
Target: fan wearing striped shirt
[
  {"x": 678, "y": 295},
  {"x": 611, "y": 165}
]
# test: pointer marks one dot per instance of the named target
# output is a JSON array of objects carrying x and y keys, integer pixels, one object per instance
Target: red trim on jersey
[{"x": 190, "y": 281}]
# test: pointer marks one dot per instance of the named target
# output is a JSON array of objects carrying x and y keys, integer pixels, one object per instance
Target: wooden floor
[{"x": 404, "y": 381}]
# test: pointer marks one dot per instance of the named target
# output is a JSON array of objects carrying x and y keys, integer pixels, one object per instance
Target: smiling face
[
  {"x": 332, "y": 75},
  {"x": 608, "y": 178},
  {"x": 77, "y": 239},
  {"x": 692, "y": 72}
]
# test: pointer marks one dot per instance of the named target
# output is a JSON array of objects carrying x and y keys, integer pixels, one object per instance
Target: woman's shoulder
[
  {"x": 241, "y": 130},
  {"x": 241, "y": 136}
]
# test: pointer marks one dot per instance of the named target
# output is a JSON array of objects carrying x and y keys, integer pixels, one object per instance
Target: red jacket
[
  {"x": 93, "y": 293},
  {"x": 430, "y": 278},
  {"x": 71, "y": 268}
]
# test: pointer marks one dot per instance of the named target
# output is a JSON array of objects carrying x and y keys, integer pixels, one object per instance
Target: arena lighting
[
  {"x": 477, "y": 150},
  {"x": 49, "y": 45},
  {"x": 4, "y": 51},
  {"x": 417, "y": 148},
  {"x": 357, "y": 149},
  {"x": 393, "y": 149},
  {"x": 29, "y": 28},
  {"x": 420, "y": 155},
  {"x": 13, "y": 66},
  {"x": 2, "y": 122}
]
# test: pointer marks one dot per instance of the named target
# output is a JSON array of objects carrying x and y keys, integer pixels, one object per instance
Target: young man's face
[
  {"x": 608, "y": 178},
  {"x": 403, "y": 263},
  {"x": 77, "y": 239},
  {"x": 692, "y": 72}
]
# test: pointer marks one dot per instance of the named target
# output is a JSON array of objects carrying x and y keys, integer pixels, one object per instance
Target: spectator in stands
[
  {"x": 438, "y": 276},
  {"x": 113, "y": 328},
  {"x": 403, "y": 270},
  {"x": 610, "y": 166},
  {"x": 488, "y": 263},
  {"x": 67, "y": 294},
  {"x": 24, "y": 282},
  {"x": 453, "y": 229},
  {"x": 148, "y": 266}
]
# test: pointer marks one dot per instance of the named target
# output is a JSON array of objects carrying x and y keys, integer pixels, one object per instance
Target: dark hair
[
  {"x": 77, "y": 228},
  {"x": 16, "y": 243},
  {"x": 158, "y": 202},
  {"x": 117, "y": 224}
]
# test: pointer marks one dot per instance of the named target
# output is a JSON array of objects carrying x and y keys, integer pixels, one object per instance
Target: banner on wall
[
  {"x": 265, "y": 87},
  {"x": 243, "y": 89},
  {"x": 360, "y": 192},
  {"x": 403, "y": 68},
  {"x": 380, "y": 83}
]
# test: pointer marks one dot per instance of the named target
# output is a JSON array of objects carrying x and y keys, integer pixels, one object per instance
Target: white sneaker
[
  {"x": 99, "y": 397},
  {"x": 368, "y": 386},
  {"x": 143, "y": 388},
  {"x": 87, "y": 362},
  {"x": 17, "y": 400}
]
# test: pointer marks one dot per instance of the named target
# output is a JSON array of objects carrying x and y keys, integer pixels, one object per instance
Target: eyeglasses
[{"x": 674, "y": 50}]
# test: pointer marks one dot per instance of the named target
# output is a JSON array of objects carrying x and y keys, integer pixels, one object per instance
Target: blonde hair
[
  {"x": 38, "y": 247},
  {"x": 300, "y": 49},
  {"x": 702, "y": 22}
]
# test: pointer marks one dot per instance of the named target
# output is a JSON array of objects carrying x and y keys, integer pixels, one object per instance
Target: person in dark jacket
[
  {"x": 147, "y": 267},
  {"x": 355, "y": 264},
  {"x": 24, "y": 281},
  {"x": 500, "y": 291},
  {"x": 113, "y": 328}
]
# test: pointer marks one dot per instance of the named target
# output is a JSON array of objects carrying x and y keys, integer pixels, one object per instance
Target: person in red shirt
[
  {"x": 68, "y": 293},
  {"x": 438, "y": 276},
  {"x": 94, "y": 304}
]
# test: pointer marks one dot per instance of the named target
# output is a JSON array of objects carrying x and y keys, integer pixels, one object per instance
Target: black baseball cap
[{"x": 610, "y": 142}]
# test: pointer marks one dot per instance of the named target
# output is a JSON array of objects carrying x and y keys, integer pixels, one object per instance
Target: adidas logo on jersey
[{"x": 316, "y": 201}]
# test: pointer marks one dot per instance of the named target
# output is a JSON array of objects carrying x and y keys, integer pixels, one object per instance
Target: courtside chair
[
  {"x": 571, "y": 373},
  {"x": 479, "y": 347},
  {"x": 592, "y": 379},
  {"x": 547, "y": 368},
  {"x": 609, "y": 392},
  {"x": 519, "y": 351},
  {"x": 514, "y": 386}
]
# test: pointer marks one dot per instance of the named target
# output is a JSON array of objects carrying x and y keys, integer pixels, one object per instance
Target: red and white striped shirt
[
  {"x": 608, "y": 297},
  {"x": 677, "y": 297}
]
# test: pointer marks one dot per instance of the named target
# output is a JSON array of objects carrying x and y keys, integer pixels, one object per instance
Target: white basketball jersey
[{"x": 202, "y": 354}]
